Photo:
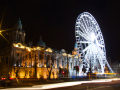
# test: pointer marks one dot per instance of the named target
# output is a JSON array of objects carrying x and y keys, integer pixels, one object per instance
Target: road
[
  {"x": 104, "y": 84},
  {"x": 114, "y": 85}
]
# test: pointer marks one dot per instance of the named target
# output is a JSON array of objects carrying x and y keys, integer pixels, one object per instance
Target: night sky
[{"x": 54, "y": 20}]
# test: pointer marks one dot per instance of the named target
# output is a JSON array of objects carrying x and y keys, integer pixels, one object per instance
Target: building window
[{"x": 41, "y": 56}]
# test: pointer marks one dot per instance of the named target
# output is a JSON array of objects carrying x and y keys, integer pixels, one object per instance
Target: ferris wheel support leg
[
  {"x": 102, "y": 67},
  {"x": 109, "y": 67},
  {"x": 81, "y": 67}
]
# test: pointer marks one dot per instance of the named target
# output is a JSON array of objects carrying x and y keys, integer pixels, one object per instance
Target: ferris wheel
[{"x": 90, "y": 44}]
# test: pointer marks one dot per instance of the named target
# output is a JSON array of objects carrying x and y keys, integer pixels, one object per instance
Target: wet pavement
[{"x": 104, "y": 84}]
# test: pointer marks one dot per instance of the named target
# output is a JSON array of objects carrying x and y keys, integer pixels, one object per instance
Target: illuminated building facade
[{"x": 27, "y": 61}]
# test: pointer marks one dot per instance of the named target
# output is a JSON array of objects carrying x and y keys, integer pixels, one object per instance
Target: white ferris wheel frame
[{"x": 90, "y": 44}]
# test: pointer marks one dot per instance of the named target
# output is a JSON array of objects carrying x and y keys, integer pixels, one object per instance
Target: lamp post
[{"x": 8, "y": 59}]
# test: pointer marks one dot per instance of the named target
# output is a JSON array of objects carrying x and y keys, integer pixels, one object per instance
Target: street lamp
[{"x": 1, "y": 34}]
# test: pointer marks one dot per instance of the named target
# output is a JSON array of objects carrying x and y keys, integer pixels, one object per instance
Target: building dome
[
  {"x": 19, "y": 25},
  {"x": 62, "y": 50},
  {"x": 41, "y": 43}
]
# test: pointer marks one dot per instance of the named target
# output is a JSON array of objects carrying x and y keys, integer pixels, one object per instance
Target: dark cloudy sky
[{"x": 54, "y": 20}]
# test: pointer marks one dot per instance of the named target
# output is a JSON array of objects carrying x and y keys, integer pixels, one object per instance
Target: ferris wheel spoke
[
  {"x": 80, "y": 27},
  {"x": 84, "y": 42},
  {"x": 83, "y": 35},
  {"x": 89, "y": 22},
  {"x": 100, "y": 45},
  {"x": 91, "y": 25},
  {"x": 87, "y": 56},
  {"x": 100, "y": 50},
  {"x": 84, "y": 22},
  {"x": 86, "y": 48},
  {"x": 87, "y": 25},
  {"x": 84, "y": 27}
]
